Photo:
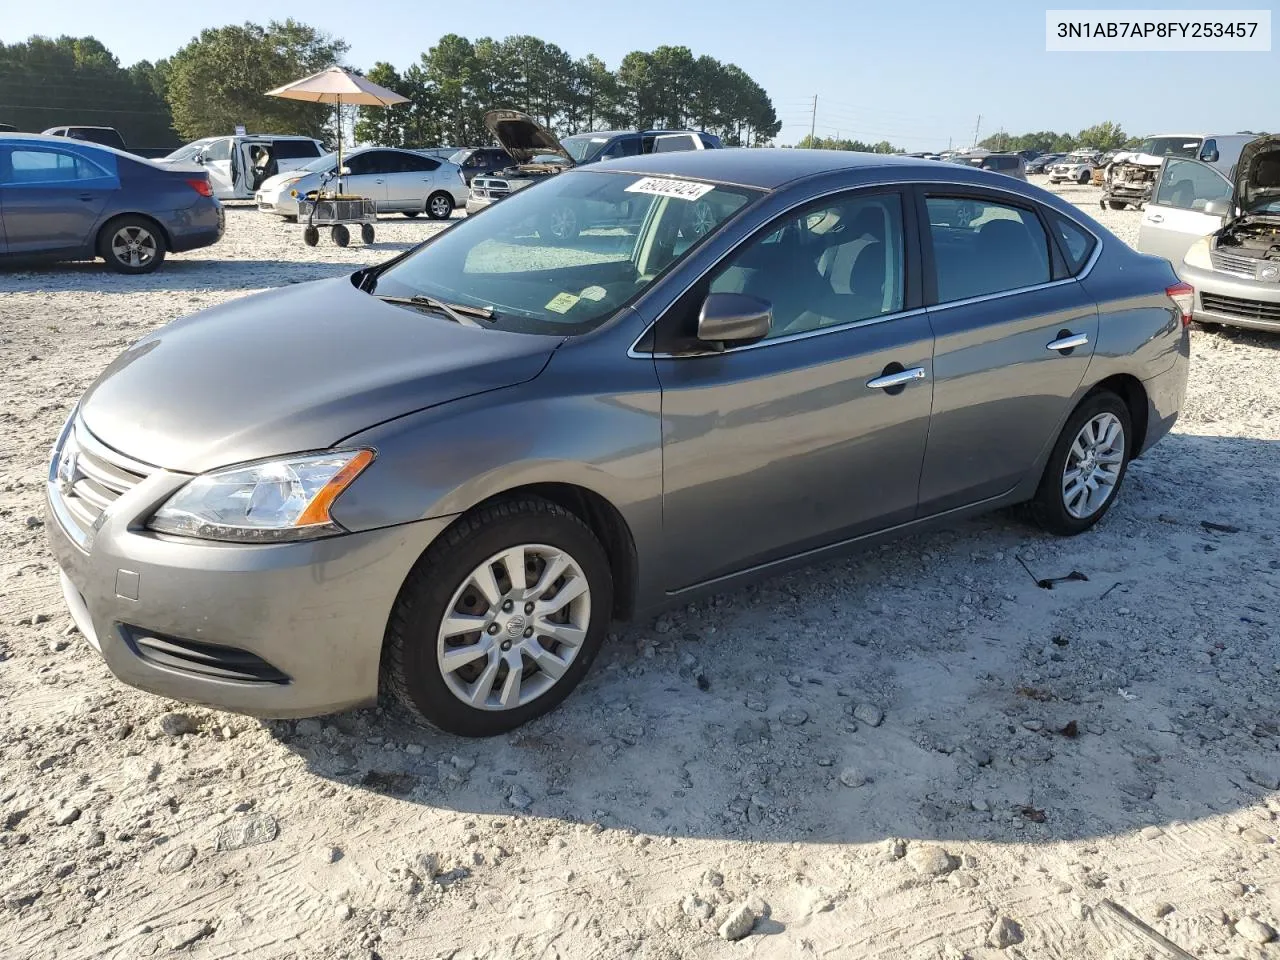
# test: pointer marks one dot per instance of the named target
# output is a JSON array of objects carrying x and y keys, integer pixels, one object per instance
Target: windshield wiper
[{"x": 457, "y": 312}]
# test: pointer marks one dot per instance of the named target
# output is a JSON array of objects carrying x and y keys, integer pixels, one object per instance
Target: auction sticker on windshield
[{"x": 663, "y": 187}]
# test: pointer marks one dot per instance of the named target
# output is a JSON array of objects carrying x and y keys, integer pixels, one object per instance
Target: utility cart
[{"x": 336, "y": 211}]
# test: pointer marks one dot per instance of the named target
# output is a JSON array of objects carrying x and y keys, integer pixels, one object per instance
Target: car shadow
[
  {"x": 933, "y": 688},
  {"x": 1243, "y": 335}
]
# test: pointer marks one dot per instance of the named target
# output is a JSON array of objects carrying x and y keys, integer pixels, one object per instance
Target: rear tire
[
  {"x": 340, "y": 235},
  {"x": 1081, "y": 460},
  {"x": 366, "y": 232},
  {"x": 449, "y": 583},
  {"x": 310, "y": 236},
  {"x": 440, "y": 206},
  {"x": 132, "y": 245}
]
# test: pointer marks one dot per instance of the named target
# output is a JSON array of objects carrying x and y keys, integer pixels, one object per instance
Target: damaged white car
[
  {"x": 1131, "y": 174},
  {"x": 1222, "y": 235},
  {"x": 1077, "y": 166}
]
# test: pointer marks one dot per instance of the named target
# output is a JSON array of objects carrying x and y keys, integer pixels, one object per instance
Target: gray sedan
[{"x": 444, "y": 477}]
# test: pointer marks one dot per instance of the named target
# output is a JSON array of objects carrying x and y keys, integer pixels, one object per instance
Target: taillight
[
  {"x": 1184, "y": 295},
  {"x": 201, "y": 186}
]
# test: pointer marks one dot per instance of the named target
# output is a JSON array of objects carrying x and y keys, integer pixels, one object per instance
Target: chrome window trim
[{"x": 635, "y": 354}]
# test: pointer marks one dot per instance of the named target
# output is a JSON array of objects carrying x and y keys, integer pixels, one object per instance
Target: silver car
[
  {"x": 1222, "y": 234},
  {"x": 443, "y": 477}
]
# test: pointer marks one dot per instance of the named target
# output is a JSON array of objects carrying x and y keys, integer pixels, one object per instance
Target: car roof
[
  {"x": 607, "y": 134},
  {"x": 764, "y": 167},
  {"x": 71, "y": 142}
]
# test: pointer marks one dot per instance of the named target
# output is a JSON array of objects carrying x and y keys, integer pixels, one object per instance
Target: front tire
[
  {"x": 439, "y": 206},
  {"x": 1116, "y": 204},
  {"x": 500, "y": 619},
  {"x": 132, "y": 245},
  {"x": 1085, "y": 178},
  {"x": 1087, "y": 466},
  {"x": 410, "y": 213},
  {"x": 339, "y": 234}
]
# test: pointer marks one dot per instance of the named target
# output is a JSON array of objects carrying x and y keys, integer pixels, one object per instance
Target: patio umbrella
[{"x": 338, "y": 86}]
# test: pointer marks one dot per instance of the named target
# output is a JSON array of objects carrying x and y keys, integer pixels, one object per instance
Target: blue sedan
[{"x": 69, "y": 200}]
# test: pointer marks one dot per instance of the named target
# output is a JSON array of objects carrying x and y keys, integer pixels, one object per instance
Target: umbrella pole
[{"x": 339, "y": 116}]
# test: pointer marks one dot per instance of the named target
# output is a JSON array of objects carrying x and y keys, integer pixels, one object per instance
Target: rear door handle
[
  {"x": 1069, "y": 343},
  {"x": 1155, "y": 218},
  {"x": 891, "y": 380},
  {"x": 87, "y": 197}
]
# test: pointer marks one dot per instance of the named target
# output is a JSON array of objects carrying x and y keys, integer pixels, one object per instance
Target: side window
[
  {"x": 984, "y": 246},
  {"x": 1077, "y": 242},
  {"x": 218, "y": 150},
  {"x": 44, "y": 166},
  {"x": 1209, "y": 151},
  {"x": 666, "y": 144},
  {"x": 295, "y": 149},
  {"x": 837, "y": 262},
  {"x": 412, "y": 163},
  {"x": 1189, "y": 185},
  {"x": 708, "y": 141},
  {"x": 622, "y": 147},
  {"x": 366, "y": 163}
]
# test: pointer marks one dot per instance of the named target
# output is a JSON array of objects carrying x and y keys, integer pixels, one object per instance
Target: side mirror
[
  {"x": 198, "y": 158},
  {"x": 1217, "y": 208},
  {"x": 1209, "y": 156},
  {"x": 734, "y": 317},
  {"x": 345, "y": 172}
]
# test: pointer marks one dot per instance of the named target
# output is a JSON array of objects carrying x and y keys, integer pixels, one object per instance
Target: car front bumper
[
  {"x": 475, "y": 204},
  {"x": 277, "y": 202},
  {"x": 270, "y": 630},
  {"x": 1236, "y": 301}
]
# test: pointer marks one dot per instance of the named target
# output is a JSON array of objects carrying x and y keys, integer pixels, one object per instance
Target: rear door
[
  {"x": 1175, "y": 218},
  {"x": 52, "y": 197},
  {"x": 409, "y": 187},
  {"x": 1014, "y": 334}
]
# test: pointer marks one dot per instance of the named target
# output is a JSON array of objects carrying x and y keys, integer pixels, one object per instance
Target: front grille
[
  {"x": 1239, "y": 307},
  {"x": 1235, "y": 264},
  {"x": 88, "y": 476},
  {"x": 202, "y": 659}
]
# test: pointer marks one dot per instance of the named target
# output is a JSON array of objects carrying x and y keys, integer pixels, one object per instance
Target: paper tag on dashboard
[
  {"x": 594, "y": 294},
  {"x": 665, "y": 187},
  {"x": 562, "y": 302}
]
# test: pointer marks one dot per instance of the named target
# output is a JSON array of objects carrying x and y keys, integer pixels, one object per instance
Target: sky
[{"x": 916, "y": 74}]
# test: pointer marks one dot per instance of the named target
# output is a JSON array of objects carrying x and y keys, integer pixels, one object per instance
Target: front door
[
  {"x": 1012, "y": 344},
  {"x": 223, "y": 164},
  {"x": 53, "y": 197},
  {"x": 1175, "y": 217},
  {"x": 370, "y": 171},
  {"x": 816, "y": 433}
]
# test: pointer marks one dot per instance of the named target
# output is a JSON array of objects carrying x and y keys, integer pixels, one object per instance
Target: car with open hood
[
  {"x": 1222, "y": 234},
  {"x": 537, "y": 153},
  {"x": 1130, "y": 174}
]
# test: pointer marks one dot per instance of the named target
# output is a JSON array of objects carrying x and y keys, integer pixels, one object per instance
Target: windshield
[
  {"x": 1170, "y": 147},
  {"x": 190, "y": 150},
  {"x": 319, "y": 164},
  {"x": 583, "y": 145},
  {"x": 563, "y": 256}
]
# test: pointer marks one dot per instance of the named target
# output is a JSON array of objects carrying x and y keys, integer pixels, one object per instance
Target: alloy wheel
[
  {"x": 440, "y": 208},
  {"x": 133, "y": 246},
  {"x": 513, "y": 627},
  {"x": 1093, "y": 465}
]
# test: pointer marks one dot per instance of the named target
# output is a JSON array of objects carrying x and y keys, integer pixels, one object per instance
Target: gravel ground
[{"x": 967, "y": 765}]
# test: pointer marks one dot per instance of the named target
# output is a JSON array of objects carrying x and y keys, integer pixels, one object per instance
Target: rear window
[
  {"x": 295, "y": 149},
  {"x": 670, "y": 142},
  {"x": 1076, "y": 242}
]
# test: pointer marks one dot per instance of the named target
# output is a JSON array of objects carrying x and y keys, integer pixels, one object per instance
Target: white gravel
[{"x": 1038, "y": 750}]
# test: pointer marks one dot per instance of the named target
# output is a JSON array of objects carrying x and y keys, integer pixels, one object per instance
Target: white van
[{"x": 238, "y": 166}]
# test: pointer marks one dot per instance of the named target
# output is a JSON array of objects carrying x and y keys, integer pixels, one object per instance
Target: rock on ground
[{"x": 738, "y": 924}]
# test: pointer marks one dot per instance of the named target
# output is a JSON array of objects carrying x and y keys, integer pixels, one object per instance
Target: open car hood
[
  {"x": 524, "y": 137},
  {"x": 1257, "y": 175}
]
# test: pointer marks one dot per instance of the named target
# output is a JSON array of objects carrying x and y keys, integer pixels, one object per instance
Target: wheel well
[
  {"x": 1130, "y": 390},
  {"x": 609, "y": 528},
  {"x": 102, "y": 232}
]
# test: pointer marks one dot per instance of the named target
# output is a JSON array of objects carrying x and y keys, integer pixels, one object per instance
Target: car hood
[
  {"x": 280, "y": 179},
  {"x": 1257, "y": 173},
  {"x": 523, "y": 137},
  {"x": 293, "y": 370}
]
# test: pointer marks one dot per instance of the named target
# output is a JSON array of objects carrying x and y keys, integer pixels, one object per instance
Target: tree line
[{"x": 218, "y": 79}]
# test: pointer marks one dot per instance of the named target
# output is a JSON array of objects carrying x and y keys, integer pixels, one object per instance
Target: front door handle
[
  {"x": 1155, "y": 218},
  {"x": 88, "y": 197},
  {"x": 1068, "y": 342},
  {"x": 890, "y": 380}
]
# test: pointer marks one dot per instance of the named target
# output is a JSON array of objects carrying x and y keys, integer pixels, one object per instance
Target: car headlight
[
  {"x": 267, "y": 502},
  {"x": 1198, "y": 254}
]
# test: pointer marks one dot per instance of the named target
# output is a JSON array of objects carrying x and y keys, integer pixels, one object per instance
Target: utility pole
[
  {"x": 975, "y": 130},
  {"x": 813, "y": 119}
]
